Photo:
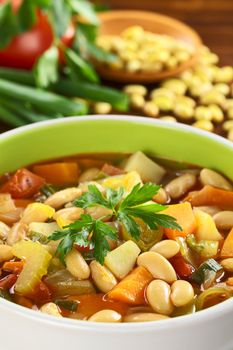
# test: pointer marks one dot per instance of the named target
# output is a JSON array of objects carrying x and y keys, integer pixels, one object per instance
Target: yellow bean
[
  {"x": 137, "y": 101},
  {"x": 158, "y": 266},
  {"x": 182, "y": 293},
  {"x": 228, "y": 125},
  {"x": 212, "y": 178},
  {"x": 133, "y": 66},
  {"x": 204, "y": 125},
  {"x": 102, "y": 108},
  {"x": 184, "y": 111},
  {"x": 168, "y": 118},
  {"x": 175, "y": 85},
  {"x": 230, "y": 113},
  {"x": 180, "y": 185},
  {"x": 135, "y": 90},
  {"x": 150, "y": 109},
  {"x": 161, "y": 92},
  {"x": 224, "y": 220},
  {"x": 102, "y": 277},
  {"x": 167, "y": 248},
  {"x": 144, "y": 317},
  {"x": 230, "y": 135},
  {"x": 158, "y": 295},
  {"x": 222, "y": 88},
  {"x": 109, "y": 316},
  {"x": 212, "y": 97},
  {"x": 224, "y": 75},
  {"x": 164, "y": 103},
  {"x": 217, "y": 114},
  {"x": 76, "y": 265},
  {"x": 202, "y": 113}
]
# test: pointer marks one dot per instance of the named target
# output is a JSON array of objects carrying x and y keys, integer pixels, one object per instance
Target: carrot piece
[
  {"x": 58, "y": 173},
  {"x": 13, "y": 266},
  {"x": 227, "y": 248},
  {"x": 19, "y": 299},
  {"x": 86, "y": 163},
  {"x": 183, "y": 213},
  {"x": 8, "y": 281},
  {"x": 89, "y": 304},
  {"x": 41, "y": 294},
  {"x": 210, "y": 195},
  {"x": 131, "y": 289}
]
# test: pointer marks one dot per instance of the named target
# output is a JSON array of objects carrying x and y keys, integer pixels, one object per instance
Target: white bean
[
  {"x": 224, "y": 220},
  {"x": 158, "y": 295},
  {"x": 109, "y": 316},
  {"x": 102, "y": 277},
  {"x": 167, "y": 248},
  {"x": 17, "y": 233},
  {"x": 50, "y": 309},
  {"x": 60, "y": 198},
  {"x": 179, "y": 186},
  {"x": 76, "y": 265},
  {"x": 158, "y": 266},
  {"x": 144, "y": 317},
  {"x": 182, "y": 293},
  {"x": 212, "y": 178}
]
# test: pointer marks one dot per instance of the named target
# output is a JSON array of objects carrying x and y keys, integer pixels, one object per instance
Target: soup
[{"x": 116, "y": 238}]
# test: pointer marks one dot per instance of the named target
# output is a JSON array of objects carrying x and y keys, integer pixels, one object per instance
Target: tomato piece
[
  {"x": 23, "y": 184},
  {"x": 182, "y": 268},
  {"x": 25, "y": 49},
  {"x": 8, "y": 281},
  {"x": 41, "y": 294},
  {"x": 112, "y": 170}
]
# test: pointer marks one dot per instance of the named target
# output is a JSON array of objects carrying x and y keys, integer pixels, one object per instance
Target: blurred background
[{"x": 213, "y": 19}]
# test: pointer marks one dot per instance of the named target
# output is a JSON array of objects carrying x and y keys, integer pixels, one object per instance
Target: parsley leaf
[
  {"x": 101, "y": 232},
  {"x": 85, "y": 9},
  {"x": 80, "y": 67},
  {"x": 88, "y": 232},
  {"x": 27, "y": 15},
  {"x": 8, "y": 24},
  {"x": 46, "y": 69},
  {"x": 139, "y": 195},
  {"x": 60, "y": 15},
  {"x": 92, "y": 198}
]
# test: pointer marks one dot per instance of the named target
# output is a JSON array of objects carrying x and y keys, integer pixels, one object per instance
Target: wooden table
[{"x": 213, "y": 20}]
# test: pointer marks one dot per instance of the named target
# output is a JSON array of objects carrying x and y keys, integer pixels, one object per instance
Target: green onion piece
[
  {"x": 47, "y": 190},
  {"x": 6, "y": 116},
  {"x": 212, "y": 296},
  {"x": 70, "y": 305},
  {"x": 202, "y": 273},
  {"x": 206, "y": 249}
]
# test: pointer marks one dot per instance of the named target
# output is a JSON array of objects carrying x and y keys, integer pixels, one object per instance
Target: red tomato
[
  {"x": 23, "y": 184},
  {"x": 26, "y": 48},
  {"x": 182, "y": 268},
  {"x": 41, "y": 294}
]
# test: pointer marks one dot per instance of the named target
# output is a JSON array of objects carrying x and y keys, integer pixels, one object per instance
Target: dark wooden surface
[{"x": 213, "y": 20}]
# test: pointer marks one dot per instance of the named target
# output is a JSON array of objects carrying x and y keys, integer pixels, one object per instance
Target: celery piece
[{"x": 37, "y": 261}]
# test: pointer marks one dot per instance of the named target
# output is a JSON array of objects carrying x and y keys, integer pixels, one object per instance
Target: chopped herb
[
  {"x": 38, "y": 237},
  {"x": 202, "y": 273},
  {"x": 70, "y": 305},
  {"x": 88, "y": 232}
]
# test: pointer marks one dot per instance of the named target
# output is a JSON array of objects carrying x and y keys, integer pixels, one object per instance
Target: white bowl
[{"x": 26, "y": 329}]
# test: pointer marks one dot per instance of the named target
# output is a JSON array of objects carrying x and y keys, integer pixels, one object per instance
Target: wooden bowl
[{"x": 114, "y": 22}]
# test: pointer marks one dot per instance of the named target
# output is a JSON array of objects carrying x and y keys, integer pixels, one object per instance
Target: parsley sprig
[{"x": 88, "y": 232}]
